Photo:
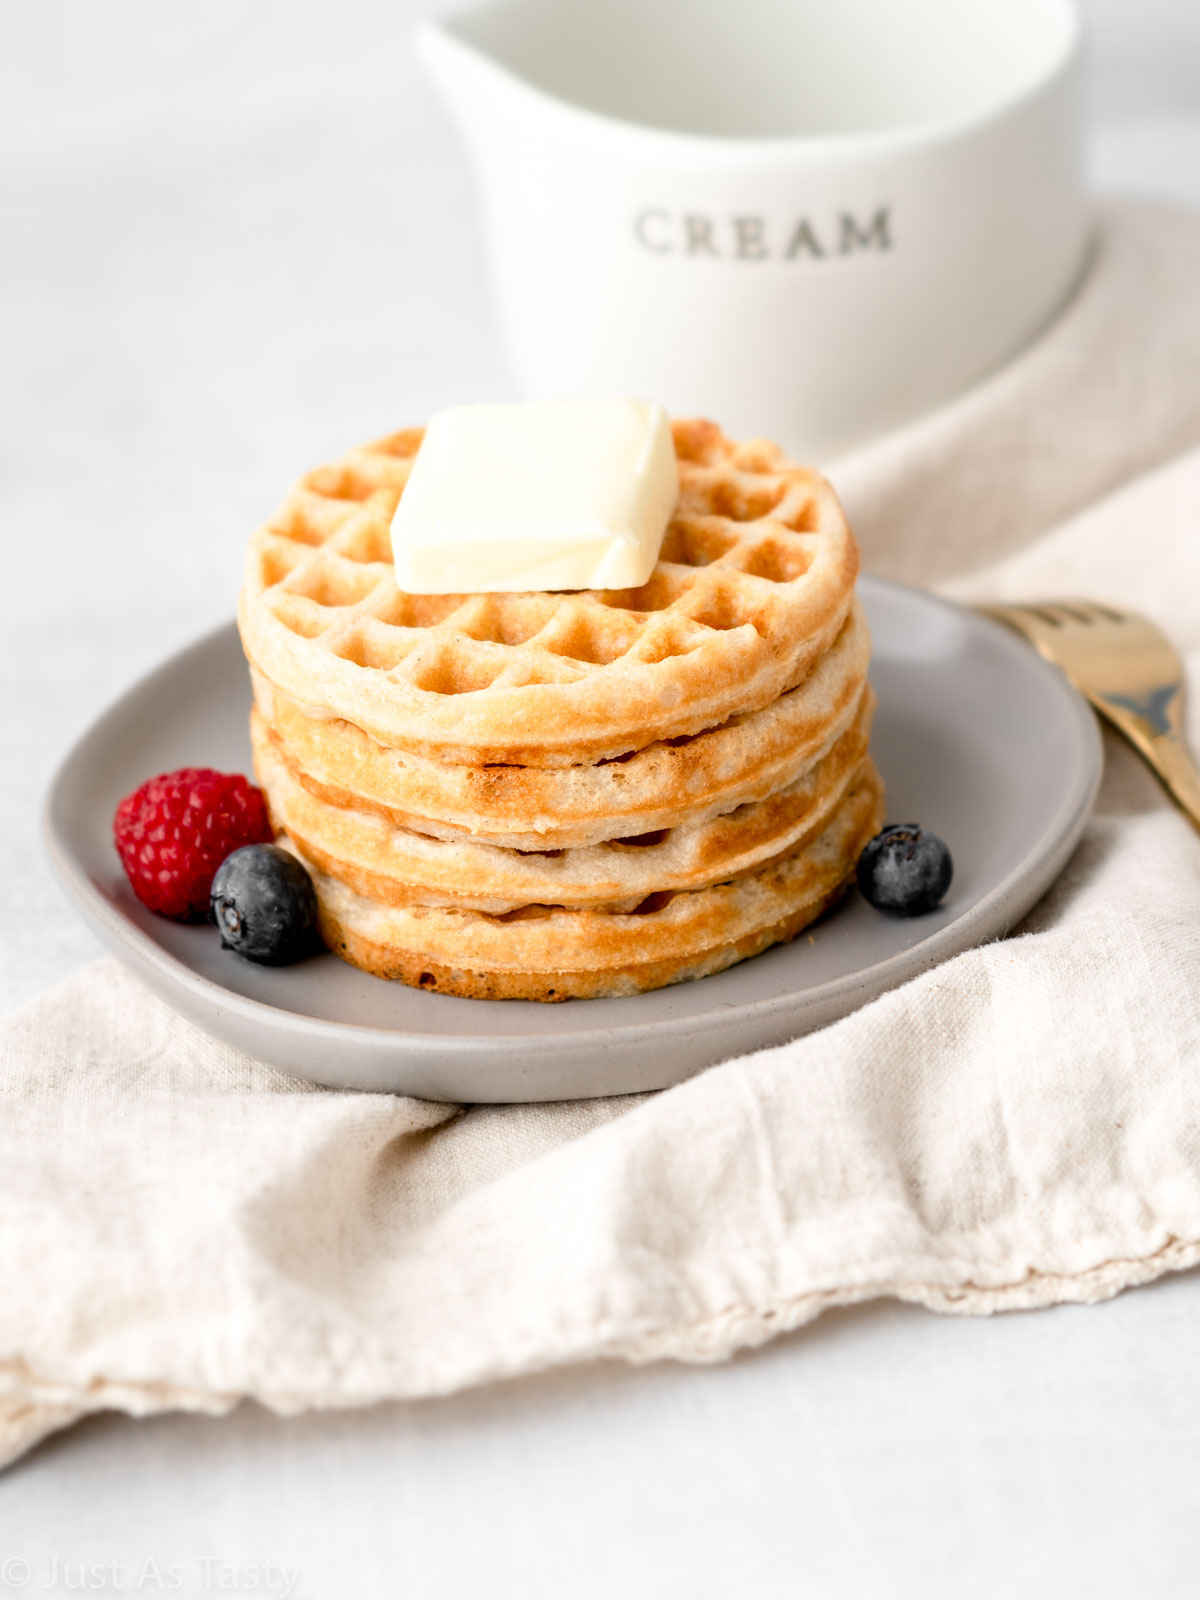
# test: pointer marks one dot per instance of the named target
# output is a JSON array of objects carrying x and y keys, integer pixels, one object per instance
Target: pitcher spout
[{"x": 481, "y": 94}]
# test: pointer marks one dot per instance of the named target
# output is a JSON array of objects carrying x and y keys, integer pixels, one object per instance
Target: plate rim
[{"x": 1041, "y": 866}]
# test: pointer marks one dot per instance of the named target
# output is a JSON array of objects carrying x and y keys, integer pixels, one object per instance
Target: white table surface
[{"x": 234, "y": 239}]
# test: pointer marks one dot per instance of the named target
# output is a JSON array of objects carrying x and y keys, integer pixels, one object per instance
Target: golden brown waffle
[
  {"x": 544, "y": 953},
  {"x": 535, "y": 808},
  {"x": 753, "y": 583},
  {"x": 398, "y": 866}
]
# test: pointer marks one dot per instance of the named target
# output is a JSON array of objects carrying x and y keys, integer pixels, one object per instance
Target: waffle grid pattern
[{"x": 757, "y": 550}]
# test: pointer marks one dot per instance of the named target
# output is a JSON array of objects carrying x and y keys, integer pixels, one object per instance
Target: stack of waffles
[{"x": 545, "y": 796}]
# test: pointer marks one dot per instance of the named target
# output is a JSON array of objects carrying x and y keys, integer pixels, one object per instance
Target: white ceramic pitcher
[{"x": 810, "y": 219}]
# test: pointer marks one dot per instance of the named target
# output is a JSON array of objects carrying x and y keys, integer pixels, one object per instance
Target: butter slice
[{"x": 571, "y": 495}]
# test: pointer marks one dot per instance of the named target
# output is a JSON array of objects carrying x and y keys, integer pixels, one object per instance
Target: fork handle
[
  {"x": 1166, "y": 753},
  {"x": 1162, "y": 749},
  {"x": 1169, "y": 757}
]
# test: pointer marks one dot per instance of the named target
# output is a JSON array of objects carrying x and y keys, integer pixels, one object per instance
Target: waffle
[
  {"x": 548, "y": 953},
  {"x": 533, "y": 808},
  {"x": 397, "y": 866},
  {"x": 547, "y": 796},
  {"x": 753, "y": 584}
]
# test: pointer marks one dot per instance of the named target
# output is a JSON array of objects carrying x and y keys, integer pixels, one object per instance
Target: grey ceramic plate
[{"x": 976, "y": 737}]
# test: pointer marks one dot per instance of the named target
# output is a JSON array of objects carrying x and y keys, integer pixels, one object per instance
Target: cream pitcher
[{"x": 811, "y": 219}]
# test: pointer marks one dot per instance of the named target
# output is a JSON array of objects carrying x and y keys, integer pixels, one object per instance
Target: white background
[{"x": 234, "y": 239}]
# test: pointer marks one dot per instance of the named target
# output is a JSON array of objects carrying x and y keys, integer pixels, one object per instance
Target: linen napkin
[{"x": 183, "y": 1227}]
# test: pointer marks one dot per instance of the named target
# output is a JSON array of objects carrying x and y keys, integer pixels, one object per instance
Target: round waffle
[
  {"x": 531, "y": 808},
  {"x": 547, "y": 953},
  {"x": 397, "y": 866},
  {"x": 753, "y": 583}
]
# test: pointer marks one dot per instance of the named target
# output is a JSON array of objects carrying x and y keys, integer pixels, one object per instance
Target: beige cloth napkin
[{"x": 181, "y": 1227}]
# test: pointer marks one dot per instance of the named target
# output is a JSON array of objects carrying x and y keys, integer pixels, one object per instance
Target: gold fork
[{"x": 1128, "y": 669}]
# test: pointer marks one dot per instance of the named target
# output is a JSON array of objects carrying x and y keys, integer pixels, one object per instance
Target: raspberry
[{"x": 174, "y": 832}]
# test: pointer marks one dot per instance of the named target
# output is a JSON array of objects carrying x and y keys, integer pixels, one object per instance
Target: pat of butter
[{"x": 571, "y": 495}]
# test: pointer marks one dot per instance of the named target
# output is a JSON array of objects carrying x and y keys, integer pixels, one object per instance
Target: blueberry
[
  {"x": 904, "y": 870},
  {"x": 264, "y": 905}
]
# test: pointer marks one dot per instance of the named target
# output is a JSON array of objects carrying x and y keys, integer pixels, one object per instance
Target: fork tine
[
  {"x": 1066, "y": 612},
  {"x": 1045, "y": 613},
  {"x": 1022, "y": 617},
  {"x": 1085, "y": 612},
  {"x": 1104, "y": 613}
]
